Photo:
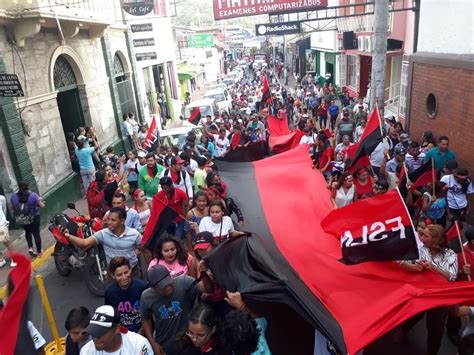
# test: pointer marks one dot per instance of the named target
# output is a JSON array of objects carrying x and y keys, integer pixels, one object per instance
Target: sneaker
[
  {"x": 13, "y": 264},
  {"x": 40, "y": 254},
  {"x": 3, "y": 262},
  {"x": 32, "y": 252}
]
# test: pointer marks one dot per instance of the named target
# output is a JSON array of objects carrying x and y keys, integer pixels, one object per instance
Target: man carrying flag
[
  {"x": 421, "y": 176},
  {"x": 168, "y": 208},
  {"x": 195, "y": 117},
  {"x": 152, "y": 140},
  {"x": 374, "y": 229},
  {"x": 359, "y": 153}
]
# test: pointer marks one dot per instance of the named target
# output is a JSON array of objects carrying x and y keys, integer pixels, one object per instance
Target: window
[
  {"x": 431, "y": 105},
  {"x": 63, "y": 74},
  {"x": 402, "y": 110},
  {"x": 352, "y": 71}
]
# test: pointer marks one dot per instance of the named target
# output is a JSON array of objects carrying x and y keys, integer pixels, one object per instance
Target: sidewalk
[{"x": 20, "y": 246}]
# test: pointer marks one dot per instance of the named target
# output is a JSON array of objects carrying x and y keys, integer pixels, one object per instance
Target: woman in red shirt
[{"x": 363, "y": 182}]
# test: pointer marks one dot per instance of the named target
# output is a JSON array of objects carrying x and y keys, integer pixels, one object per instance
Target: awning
[{"x": 187, "y": 72}]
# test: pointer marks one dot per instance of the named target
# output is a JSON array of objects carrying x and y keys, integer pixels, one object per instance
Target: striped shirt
[
  {"x": 122, "y": 245},
  {"x": 446, "y": 260}
]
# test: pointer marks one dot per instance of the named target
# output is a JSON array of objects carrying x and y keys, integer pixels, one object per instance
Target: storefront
[{"x": 327, "y": 55}]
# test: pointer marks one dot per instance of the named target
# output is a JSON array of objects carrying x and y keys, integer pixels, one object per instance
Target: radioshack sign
[
  {"x": 238, "y": 8},
  {"x": 277, "y": 29}
]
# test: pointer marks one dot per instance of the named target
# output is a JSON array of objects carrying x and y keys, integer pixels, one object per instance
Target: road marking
[{"x": 35, "y": 265}]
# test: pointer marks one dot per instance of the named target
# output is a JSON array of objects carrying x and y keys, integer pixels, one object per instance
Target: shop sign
[
  {"x": 238, "y": 8},
  {"x": 278, "y": 29},
  {"x": 145, "y": 56},
  {"x": 137, "y": 7},
  {"x": 10, "y": 86},
  {"x": 143, "y": 42},
  {"x": 142, "y": 27}
]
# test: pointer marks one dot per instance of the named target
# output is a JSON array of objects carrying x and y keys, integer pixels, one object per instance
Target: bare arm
[{"x": 79, "y": 242}]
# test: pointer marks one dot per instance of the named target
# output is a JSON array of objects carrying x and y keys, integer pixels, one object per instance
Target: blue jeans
[{"x": 87, "y": 176}]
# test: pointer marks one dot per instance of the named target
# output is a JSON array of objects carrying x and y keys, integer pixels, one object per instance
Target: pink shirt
[{"x": 175, "y": 268}]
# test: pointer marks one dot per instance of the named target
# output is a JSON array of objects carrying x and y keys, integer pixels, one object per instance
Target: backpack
[
  {"x": 96, "y": 201},
  {"x": 23, "y": 217}
]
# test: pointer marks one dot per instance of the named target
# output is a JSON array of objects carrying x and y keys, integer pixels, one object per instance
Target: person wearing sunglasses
[{"x": 76, "y": 323}]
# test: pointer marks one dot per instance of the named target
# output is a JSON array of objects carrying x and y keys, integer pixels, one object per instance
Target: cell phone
[{"x": 63, "y": 221}]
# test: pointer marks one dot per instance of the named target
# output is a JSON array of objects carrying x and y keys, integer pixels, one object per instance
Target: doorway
[
  {"x": 123, "y": 86},
  {"x": 68, "y": 99},
  {"x": 365, "y": 72}
]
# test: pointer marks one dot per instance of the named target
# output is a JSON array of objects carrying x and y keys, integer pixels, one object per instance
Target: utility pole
[{"x": 379, "y": 57}]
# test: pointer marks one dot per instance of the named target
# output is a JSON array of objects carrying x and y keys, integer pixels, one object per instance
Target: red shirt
[
  {"x": 175, "y": 202},
  {"x": 364, "y": 189},
  {"x": 470, "y": 260},
  {"x": 326, "y": 156}
]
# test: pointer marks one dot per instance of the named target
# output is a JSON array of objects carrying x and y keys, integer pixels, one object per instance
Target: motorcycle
[{"x": 67, "y": 257}]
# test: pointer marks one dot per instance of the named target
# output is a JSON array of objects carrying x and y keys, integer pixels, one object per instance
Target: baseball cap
[
  {"x": 203, "y": 240},
  {"x": 141, "y": 154},
  {"x": 104, "y": 319},
  {"x": 159, "y": 277},
  {"x": 404, "y": 137},
  {"x": 176, "y": 160},
  {"x": 400, "y": 150},
  {"x": 346, "y": 113},
  {"x": 391, "y": 119}
]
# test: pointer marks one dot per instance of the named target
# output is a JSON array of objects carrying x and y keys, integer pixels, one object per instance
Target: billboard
[
  {"x": 238, "y": 8},
  {"x": 201, "y": 40},
  {"x": 277, "y": 29}
]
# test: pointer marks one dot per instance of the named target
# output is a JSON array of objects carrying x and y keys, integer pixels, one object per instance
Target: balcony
[{"x": 27, "y": 17}]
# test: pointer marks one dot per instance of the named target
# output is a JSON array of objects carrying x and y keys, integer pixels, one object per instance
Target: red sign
[{"x": 238, "y": 8}]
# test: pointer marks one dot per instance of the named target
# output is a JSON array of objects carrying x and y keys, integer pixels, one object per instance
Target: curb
[{"x": 35, "y": 265}]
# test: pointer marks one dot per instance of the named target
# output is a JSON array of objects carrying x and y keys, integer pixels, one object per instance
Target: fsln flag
[
  {"x": 370, "y": 139},
  {"x": 152, "y": 139},
  {"x": 195, "y": 117},
  {"x": 378, "y": 228},
  {"x": 421, "y": 176},
  {"x": 161, "y": 218},
  {"x": 266, "y": 95}
]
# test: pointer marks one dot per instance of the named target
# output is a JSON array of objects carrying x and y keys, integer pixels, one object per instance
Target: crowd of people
[{"x": 176, "y": 306}]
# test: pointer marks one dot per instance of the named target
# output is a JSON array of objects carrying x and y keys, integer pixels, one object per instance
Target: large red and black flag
[
  {"x": 290, "y": 262},
  {"x": 253, "y": 152},
  {"x": 195, "y": 117},
  {"x": 378, "y": 228},
  {"x": 161, "y": 218},
  {"x": 266, "y": 94},
  {"x": 359, "y": 153},
  {"x": 152, "y": 139},
  {"x": 281, "y": 139},
  {"x": 419, "y": 177},
  {"x": 14, "y": 335}
]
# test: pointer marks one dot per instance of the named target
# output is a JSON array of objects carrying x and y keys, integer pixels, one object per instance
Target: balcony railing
[{"x": 102, "y": 11}]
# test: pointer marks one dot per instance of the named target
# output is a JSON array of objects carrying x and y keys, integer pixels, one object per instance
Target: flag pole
[
  {"x": 378, "y": 115},
  {"x": 456, "y": 223},
  {"x": 406, "y": 172},
  {"x": 433, "y": 176}
]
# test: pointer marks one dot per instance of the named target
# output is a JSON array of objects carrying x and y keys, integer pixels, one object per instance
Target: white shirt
[
  {"x": 36, "y": 336},
  {"x": 457, "y": 199},
  {"x": 3, "y": 212},
  {"x": 132, "y": 344},
  {"x": 128, "y": 128},
  {"x": 343, "y": 199},
  {"x": 376, "y": 157},
  {"x": 307, "y": 139},
  {"x": 416, "y": 162},
  {"x": 222, "y": 145},
  {"x": 220, "y": 231}
]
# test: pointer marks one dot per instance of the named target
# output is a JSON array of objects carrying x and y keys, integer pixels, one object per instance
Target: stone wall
[{"x": 46, "y": 144}]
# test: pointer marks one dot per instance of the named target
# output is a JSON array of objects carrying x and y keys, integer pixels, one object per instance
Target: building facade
[
  {"x": 75, "y": 68},
  {"x": 441, "y": 94}
]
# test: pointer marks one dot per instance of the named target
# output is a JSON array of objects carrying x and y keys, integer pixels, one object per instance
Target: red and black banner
[
  {"x": 291, "y": 263},
  {"x": 370, "y": 139},
  {"x": 195, "y": 117},
  {"x": 266, "y": 94},
  {"x": 421, "y": 176},
  {"x": 161, "y": 218},
  {"x": 281, "y": 139},
  {"x": 378, "y": 228},
  {"x": 253, "y": 152},
  {"x": 152, "y": 139},
  {"x": 15, "y": 337}
]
